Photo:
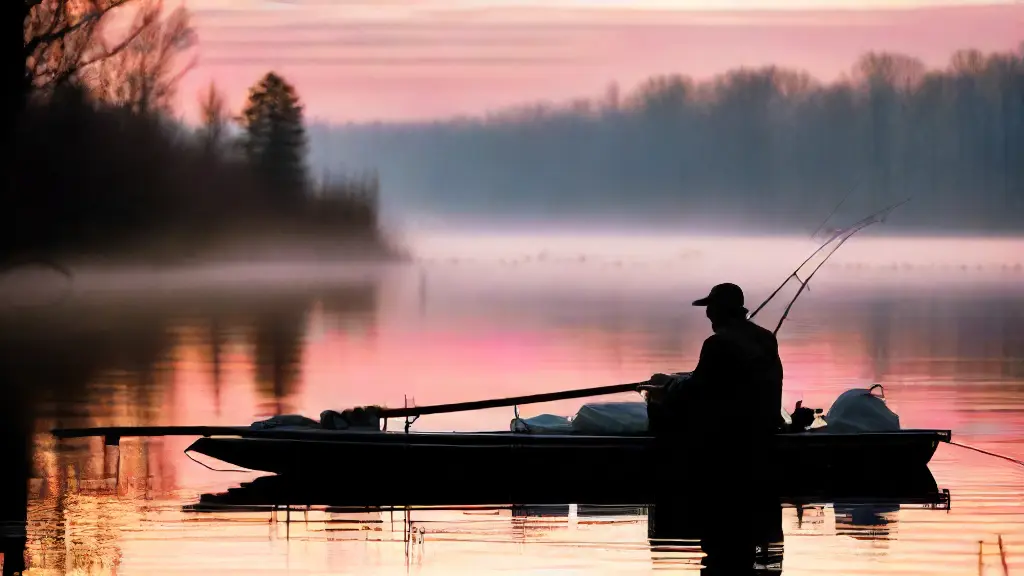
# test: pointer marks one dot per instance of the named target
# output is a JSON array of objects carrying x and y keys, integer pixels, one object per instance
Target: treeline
[
  {"x": 100, "y": 167},
  {"x": 763, "y": 147}
]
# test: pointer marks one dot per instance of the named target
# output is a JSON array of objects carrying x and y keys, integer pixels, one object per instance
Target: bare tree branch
[
  {"x": 215, "y": 117},
  {"x": 64, "y": 37},
  {"x": 52, "y": 34},
  {"x": 144, "y": 73}
]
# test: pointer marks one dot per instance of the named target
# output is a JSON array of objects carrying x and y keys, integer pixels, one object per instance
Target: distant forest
[{"x": 765, "y": 148}]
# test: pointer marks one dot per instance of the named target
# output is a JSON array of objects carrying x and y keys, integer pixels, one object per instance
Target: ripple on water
[{"x": 226, "y": 358}]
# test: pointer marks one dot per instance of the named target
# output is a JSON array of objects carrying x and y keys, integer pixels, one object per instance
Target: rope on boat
[
  {"x": 208, "y": 467},
  {"x": 988, "y": 453}
]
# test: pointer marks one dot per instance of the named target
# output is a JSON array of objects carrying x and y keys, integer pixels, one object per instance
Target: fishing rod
[
  {"x": 835, "y": 234},
  {"x": 836, "y": 209},
  {"x": 771, "y": 296},
  {"x": 842, "y": 235},
  {"x": 847, "y": 233}
]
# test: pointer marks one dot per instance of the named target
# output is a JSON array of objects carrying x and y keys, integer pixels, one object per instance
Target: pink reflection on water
[{"x": 946, "y": 362}]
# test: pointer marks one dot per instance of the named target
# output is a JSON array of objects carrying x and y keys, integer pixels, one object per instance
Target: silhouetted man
[
  {"x": 731, "y": 401},
  {"x": 713, "y": 431}
]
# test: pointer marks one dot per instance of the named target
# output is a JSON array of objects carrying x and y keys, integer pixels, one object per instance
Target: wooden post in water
[
  {"x": 981, "y": 560},
  {"x": 1002, "y": 557}
]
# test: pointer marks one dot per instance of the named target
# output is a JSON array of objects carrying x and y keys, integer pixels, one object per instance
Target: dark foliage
[
  {"x": 98, "y": 168},
  {"x": 106, "y": 180}
]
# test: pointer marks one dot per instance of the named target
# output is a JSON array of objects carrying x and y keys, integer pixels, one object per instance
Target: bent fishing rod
[
  {"x": 842, "y": 235},
  {"x": 835, "y": 234},
  {"x": 416, "y": 411},
  {"x": 836, "y": 209}
]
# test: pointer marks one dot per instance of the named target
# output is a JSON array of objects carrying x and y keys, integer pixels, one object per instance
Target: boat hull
[{"x": 505, "y": 467}]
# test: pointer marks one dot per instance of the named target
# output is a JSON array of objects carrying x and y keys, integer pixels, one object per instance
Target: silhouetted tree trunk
[
  {"x": 15, "y": 74},
  {"x": 213, "y": 111},
  {"x": 15, "y": 12}
]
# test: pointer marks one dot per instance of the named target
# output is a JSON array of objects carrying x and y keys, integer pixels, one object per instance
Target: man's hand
[
  {"x": 661, "y": 380},
  {"x": 656, "y": 387},
  {"x": 660, "y": 385}
]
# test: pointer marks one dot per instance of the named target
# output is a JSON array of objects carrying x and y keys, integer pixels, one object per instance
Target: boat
[
  {"x": 465, "y": 486},
  {"x": 859, "y": 438},
  {"x": 443, "y": 454},
  {"x": 858, "y": 447},
  {"x": 353, "y": 450},
  {"x": 367, "y": 467}
]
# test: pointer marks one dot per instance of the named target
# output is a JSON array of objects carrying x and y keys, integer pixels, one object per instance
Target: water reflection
[
  {"x": 948, "y": 358},
  {"x": 48, "y": 372},
  {"x": 866, "y": 521},
  {"x": 218, "y": 337},
  {"x": 741, "y": 536},
  {"x": 966, "y": 336},
  {"x": 278, "y": 339},
  {"x": 95, "y": 362}
]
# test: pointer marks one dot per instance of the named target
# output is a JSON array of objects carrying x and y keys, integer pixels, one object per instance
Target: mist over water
[
  {"x": 503, "y": 316},
  {"x": 936, "y": 321},
  {"x": 623, "y": 262},
  {"x": 573, "y": 262}
]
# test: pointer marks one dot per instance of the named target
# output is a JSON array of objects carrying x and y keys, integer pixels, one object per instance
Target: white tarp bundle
[
  {"x": 607, "y": 418},
  {"x": 859, "y": 410},
  {"x": 360, "y": 418},
  {"x": 543, "y": 424},
  {"x": 285, "y": 421},
  {"x": 856, "y": 410},
  {"x": 611, "y": 418}
]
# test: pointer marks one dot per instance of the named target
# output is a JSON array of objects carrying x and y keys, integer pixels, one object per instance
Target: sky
[{"x": 392, "y": 60}]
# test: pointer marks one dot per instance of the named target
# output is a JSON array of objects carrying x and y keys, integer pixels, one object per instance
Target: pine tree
[{"x": 275, "y": 138}]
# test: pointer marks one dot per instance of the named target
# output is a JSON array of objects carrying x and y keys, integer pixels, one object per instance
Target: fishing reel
[{"x": 801, "y": 418}]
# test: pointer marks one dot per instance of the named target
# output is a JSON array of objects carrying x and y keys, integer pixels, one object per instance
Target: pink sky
[{"x": 357, "y": 60}]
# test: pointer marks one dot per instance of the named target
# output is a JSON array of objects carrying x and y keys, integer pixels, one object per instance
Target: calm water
[{"x": 939, "y": 323}]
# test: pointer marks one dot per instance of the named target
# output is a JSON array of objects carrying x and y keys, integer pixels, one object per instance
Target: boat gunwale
[
  {"x": 308, "y": 433},
  {"x": 401, "y": 441}
]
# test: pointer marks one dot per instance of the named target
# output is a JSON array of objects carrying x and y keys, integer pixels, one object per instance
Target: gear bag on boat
[{"x": 860, "y": 410}]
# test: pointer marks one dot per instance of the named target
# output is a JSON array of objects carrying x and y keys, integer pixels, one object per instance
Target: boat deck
[{"x": 113, "y": 434}]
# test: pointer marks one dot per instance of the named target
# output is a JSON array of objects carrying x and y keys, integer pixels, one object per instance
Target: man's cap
[{"x": 725, "y": 295}]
